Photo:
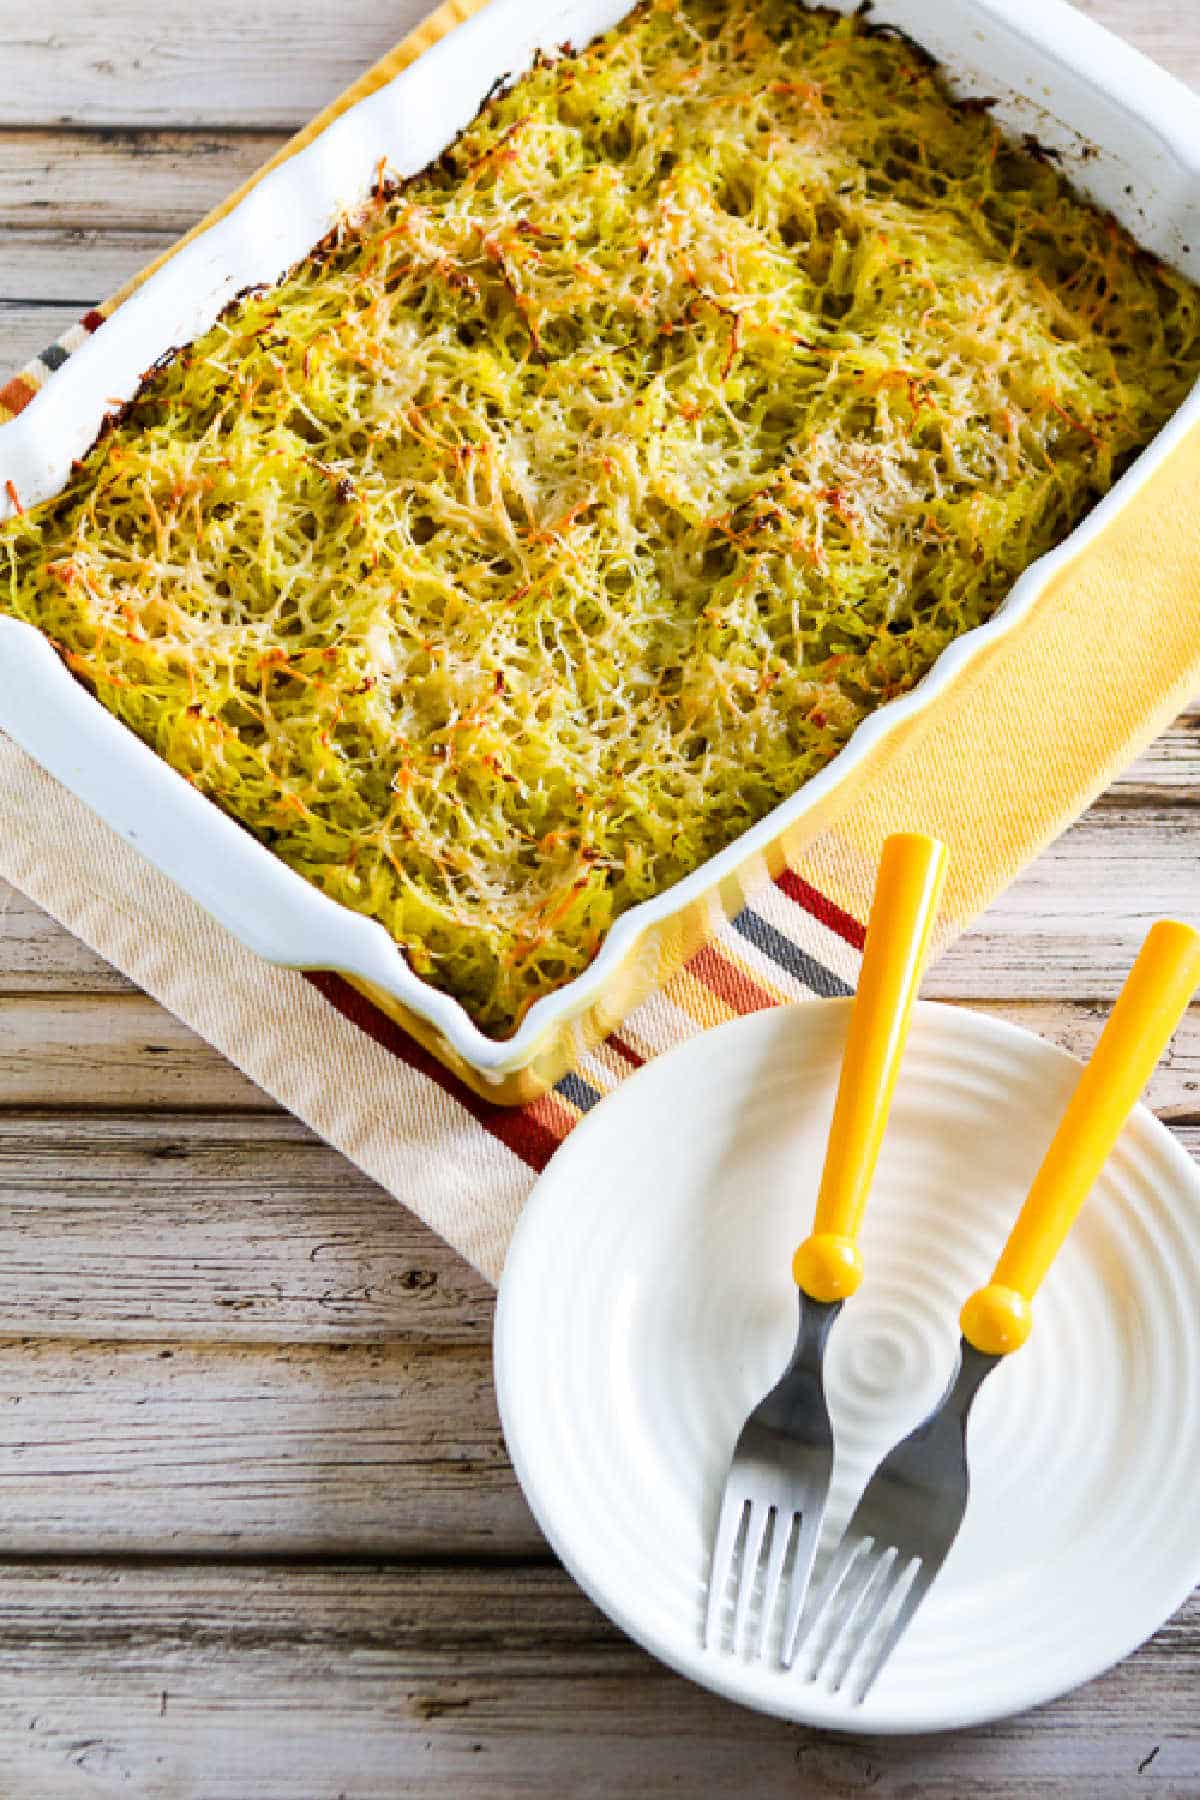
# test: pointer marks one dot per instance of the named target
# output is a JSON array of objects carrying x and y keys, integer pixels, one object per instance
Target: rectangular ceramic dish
[{"x": 1128, "y": 134}]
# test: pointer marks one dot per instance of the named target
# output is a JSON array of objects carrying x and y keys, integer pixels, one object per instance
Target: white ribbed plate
[{"x": 647, "y": 1304}]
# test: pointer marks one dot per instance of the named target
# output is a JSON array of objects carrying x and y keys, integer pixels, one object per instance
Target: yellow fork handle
[
  {"x": 997, "y": 1318},
  {"x": 912, "y": 873}
]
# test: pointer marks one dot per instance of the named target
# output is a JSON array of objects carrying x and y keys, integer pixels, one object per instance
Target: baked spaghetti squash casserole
[{"x": 572, "y": 503}]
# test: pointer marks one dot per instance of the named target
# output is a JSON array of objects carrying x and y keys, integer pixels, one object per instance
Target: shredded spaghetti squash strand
[{"x": 572, "y": 504}]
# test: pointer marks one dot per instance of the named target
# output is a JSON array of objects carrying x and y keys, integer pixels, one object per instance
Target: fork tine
[
  {"x": 843, "y": 1559},
  {"x": 858, "y": 1618},
  {"x": 867, "y": 1571},
  {"x": 871, "y": 1609},
  {"x": 733, "y": 1507},
  {"x": 757, "y": 1527},
  {"x": 781, "y": 1537},
  {"x": 899, "y": 1625},
  {"x": 806, "y": 1552}
]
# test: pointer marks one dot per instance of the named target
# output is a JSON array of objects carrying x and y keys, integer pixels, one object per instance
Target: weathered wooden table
[{"x": 259, "y": 1539}]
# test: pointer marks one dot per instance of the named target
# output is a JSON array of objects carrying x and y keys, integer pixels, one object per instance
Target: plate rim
[{"x": 537, "y": 1204}]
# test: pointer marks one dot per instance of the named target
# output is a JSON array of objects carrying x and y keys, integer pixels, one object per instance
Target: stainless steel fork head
[
  {"x": 896, "y": 1541},
  {"x": 775, "y": 1494}
]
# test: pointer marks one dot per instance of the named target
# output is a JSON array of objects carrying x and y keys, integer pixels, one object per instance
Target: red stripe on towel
[
  {"x": 531, "y": 1132},
  {"x": 845, "y": 924}
]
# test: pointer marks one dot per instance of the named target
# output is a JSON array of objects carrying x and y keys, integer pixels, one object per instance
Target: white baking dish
[{"x": 1128, "y": 134}]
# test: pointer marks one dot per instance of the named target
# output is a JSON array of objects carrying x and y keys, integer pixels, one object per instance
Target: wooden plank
[
  {"x": 85, "y": 1051},
  {"x": 1174, "y": 1090},
  {"x": 89, "y": 1050},
  {"x": 158, "y": 181},
  {"x": 253, "y": 1450},
  {"x": 179, "y": 1682},
  {"x": 1071, "y": 924},
  {"x": 269, "y": 66},
  {"x": 1169, "y": 769},
  {"x": 235, "y": 1229},
  {"x": 1162, "y": 29},
  {"x": 81, "y": 212},
  {"x": 188, "y": 1229},
  {"x": 248, "y": 1229}
]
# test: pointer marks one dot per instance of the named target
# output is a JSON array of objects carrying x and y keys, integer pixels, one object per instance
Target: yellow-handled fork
[
  {"x": 778, "y": 1481},
  {"x": 913, "y": 1505}
]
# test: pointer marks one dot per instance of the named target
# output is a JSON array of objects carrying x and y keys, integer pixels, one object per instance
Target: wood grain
[
  {"x": 1071, "y": 925},
  {"x": 371, "y": 1449},
  {"x": 1164, "y": 30},
  {"x": 1169, "y": 769},
  {"x": 97, "y": 1050},
  {"x": 156, "y": 181},
  {"x": 220, "y": 1443},
  {"x": 76, "y": 266},
  {"x": 38, "y": 956},
  {"x": 185, "y": 1228},
  {"x": 243, "y": 1229},
  {"x": 269, "y": 66},
  {"x": 1174, "y": 1089},
  {"x": 178, "y": 1682}
]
